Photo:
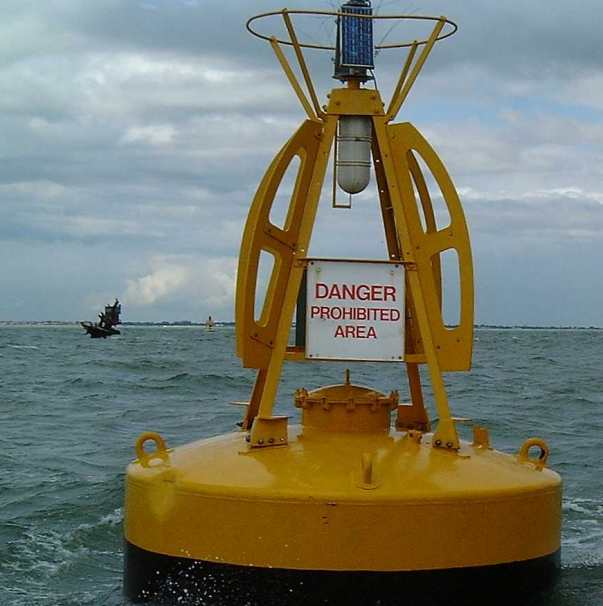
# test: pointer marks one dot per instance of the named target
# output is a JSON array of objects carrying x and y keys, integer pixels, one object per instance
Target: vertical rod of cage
[
  {"x": 302, "y": 62},
  {"x": 295, "y": 85},
  {"x": 403, "y": 74},
  {"x": 397, "y": 102}
]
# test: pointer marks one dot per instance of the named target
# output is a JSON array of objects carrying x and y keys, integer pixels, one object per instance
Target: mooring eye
[
  {"x": 145, "y": 456},
  {"x": 528, "y": 447}
]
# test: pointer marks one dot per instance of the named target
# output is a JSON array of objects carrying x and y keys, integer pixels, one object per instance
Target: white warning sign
[{"x": 355, "y": 310}]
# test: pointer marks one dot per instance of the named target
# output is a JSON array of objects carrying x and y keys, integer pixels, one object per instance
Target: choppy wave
[
  {"x": 43, "y": 558},
  {"x": 69, "y": 417}
]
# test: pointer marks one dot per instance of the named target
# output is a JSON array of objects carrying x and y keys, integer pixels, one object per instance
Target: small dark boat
[
  {"x": 108, "y": 319},
  {"x": 97, "y": 332}
]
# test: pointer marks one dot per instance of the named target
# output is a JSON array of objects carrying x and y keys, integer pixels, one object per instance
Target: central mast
[{"x": 357, "y": 130}]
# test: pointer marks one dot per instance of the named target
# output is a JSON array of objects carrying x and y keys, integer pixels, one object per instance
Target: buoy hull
[
  {"x": 160, "y": 579},
  {"x": 372, "y": 511}
]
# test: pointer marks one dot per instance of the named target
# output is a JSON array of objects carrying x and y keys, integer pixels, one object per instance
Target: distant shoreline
[
  {"x": 77, "y": 323},
  {"x": 186, "y": 323}
]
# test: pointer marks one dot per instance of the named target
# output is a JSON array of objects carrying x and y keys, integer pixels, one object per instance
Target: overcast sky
[{"x": 133, "y": 135}]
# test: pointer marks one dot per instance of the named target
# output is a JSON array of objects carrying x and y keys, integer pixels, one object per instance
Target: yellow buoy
[{"x": 361, "y": 502}]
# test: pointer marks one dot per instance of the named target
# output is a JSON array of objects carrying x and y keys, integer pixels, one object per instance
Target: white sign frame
[{"x": 355, "y": 310}]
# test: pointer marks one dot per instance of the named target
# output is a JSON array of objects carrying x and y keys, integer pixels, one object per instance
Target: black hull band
[{"x": 167, "y": 580}]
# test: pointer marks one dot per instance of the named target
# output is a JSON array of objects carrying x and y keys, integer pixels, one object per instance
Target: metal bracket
[
  {"x": 481, "y": 437},
  {"x": 412, "y": 417},
  {"x": 270, "y": 431},
  {"x": 446, "y": 436}
]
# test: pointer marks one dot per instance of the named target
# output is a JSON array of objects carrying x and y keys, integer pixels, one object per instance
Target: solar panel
[{"x": 356, "y": 42}]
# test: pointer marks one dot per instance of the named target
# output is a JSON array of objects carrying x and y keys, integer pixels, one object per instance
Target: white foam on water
[
  {"x": 582, "y": 534},
  {"x": 49, "y": 552},
  {"x": 23, "y": 346}
]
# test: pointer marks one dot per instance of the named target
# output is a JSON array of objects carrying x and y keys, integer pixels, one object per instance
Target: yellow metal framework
[{"x": 398, "y": 151}]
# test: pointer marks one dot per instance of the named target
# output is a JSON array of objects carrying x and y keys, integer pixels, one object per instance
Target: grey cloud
[
  {"x": 135, "y": 134},
  {"x": 550, "y": 218}
]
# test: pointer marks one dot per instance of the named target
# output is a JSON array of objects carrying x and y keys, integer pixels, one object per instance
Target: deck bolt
[
  {"x": 260, "y": 442},
  {"x": 438, "y": 442},
  {"x": 449, "y": 444},
  {"x": 271, "y": 441}
]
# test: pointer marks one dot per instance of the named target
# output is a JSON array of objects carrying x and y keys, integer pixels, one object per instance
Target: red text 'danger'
[{"x": 360, "y": 292}]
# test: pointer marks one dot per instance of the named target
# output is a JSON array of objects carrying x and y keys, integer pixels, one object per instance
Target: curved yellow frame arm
[
  {"x": 256, "y": 332},
  {"x": 454, "y": 345}
]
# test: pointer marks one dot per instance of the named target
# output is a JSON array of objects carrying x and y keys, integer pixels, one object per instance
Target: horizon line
[{"x": 232, "y": 323}]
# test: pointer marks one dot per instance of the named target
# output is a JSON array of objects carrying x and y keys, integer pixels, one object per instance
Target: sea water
[{"x": 71, "y": 409}]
